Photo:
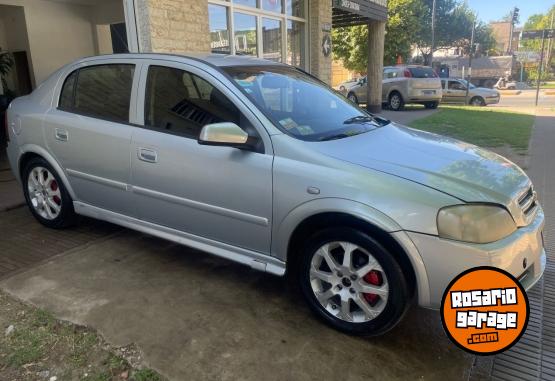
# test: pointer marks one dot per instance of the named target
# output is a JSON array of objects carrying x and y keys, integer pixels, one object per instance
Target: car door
[
  {"x": 456, "y": 92},
  {"x": 219, "y": 193},
  {"x": 362, "y": 90},
  {"x": 89, "y": 132}
]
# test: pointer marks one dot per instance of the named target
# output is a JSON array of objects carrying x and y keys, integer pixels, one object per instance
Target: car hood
[{"x": 459, "y": 169}]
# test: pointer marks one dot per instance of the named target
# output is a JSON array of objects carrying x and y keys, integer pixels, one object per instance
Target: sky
[{"x": 492, "y": 10}]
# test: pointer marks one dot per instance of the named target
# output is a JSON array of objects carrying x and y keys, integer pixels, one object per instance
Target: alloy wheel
[
  {"x": 395, "y": 102},
  {"x": 44, "y": 193},
  {"x": 353, "y": 98},
  {"x": 348, "y": 282}
]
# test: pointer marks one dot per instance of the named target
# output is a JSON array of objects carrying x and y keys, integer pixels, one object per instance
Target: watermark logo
[{"x": 485, "y": 310}]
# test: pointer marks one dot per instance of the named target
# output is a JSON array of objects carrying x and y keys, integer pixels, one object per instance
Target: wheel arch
[
  {"x": 31, "y": 151},
  {"x": 357, "y": 216}
]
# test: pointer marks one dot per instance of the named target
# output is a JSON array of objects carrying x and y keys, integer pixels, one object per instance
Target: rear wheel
[
  {"x": 431, "y": 105},
  {"x": 396, "y": 102},
  {"x": 352, "y": 282},
  {"x": 353, "y": 98},
  {"x": 46, "y": 195}
]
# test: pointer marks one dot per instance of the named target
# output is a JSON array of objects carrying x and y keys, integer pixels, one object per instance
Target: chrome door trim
[
  {"x": 97, "y": 179},
  {"x": 262, "y": 221},
  {"x": 255, "y": 260}
]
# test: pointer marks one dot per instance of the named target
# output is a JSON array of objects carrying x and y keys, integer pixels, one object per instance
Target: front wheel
[
  {"x": 352, "y": 282},
  {"x": 477, "y": 101}
]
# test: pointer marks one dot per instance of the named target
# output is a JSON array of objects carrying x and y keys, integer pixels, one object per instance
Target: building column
[
  {"x": 173, "y": 26},
  {"x": 376, "y": 38},
  {"x": 320, "y": 19}
]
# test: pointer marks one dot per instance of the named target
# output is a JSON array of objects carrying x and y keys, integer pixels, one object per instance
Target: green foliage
[
  {"x": 538, "y": 22},
  {"x": 485, "y": 127},
  {"x": 146, "y": 375},
  {"x": 409, "y": 23}
]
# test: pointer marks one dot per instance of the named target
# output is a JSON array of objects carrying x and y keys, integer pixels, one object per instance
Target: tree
[
  {"x": 404, "y": 22},
  {"x": 409, "y": 24}
]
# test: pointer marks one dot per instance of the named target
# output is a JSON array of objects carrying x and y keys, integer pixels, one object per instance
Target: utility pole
[
  {"x": 470, "y": 61},
  {"x": 433, "y": 32},
  {"x": 540, "y": 68}
]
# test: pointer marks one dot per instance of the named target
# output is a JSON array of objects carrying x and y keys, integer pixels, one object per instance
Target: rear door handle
[
  {"x": 61, "y": 135},
  {"x": 148, "y": 155}
]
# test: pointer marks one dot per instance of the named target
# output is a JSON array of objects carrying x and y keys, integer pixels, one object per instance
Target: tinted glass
[
  {"x": 271, "y": 5},
  {"x": 422, "y": 72},
  {"x": 219, "y": 33},
  {"x": 295, "y": 43},
  {"x": 104, "y": 91},
  {"x": 182, "y": 103},
  {"x": 245, "y": 34},
  {"x": 300, "y": 105},
  {"x": 271, "y": 39},
  {"x": 66, "y": 96}
]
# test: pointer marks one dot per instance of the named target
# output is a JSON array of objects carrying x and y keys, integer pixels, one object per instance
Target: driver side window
[{"x": 182, "y": 103}]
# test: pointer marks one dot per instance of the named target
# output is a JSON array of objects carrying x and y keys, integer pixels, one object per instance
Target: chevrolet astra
[{"x": 265, "y": 165}]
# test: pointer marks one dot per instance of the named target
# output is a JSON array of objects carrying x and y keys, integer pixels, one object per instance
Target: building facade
[{"x": 46, "y": 34}]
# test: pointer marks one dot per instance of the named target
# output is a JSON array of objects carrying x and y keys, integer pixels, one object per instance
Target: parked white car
[{"x": 454, "y": 91}]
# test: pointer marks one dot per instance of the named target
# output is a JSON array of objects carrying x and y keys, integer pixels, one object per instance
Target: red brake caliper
[
  {"x": 375, "y": 279},
  {"x": 54, "y": 187}
]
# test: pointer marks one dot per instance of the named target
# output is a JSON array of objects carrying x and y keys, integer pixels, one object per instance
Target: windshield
[
  {"x": 301, "y": 105},
  {"x": 465, "y": 82}
]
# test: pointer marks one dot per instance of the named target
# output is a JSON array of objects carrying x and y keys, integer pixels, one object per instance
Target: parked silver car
[
  {"x": 402, "y": 85},
  {"x": 454, "y": 91},
  {"x": 263, "y": 164}
]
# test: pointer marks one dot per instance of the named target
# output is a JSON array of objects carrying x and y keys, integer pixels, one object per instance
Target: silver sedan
[{"x": 265, "y": 165}]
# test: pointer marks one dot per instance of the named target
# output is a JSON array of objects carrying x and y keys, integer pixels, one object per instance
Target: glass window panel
[
  {"x": 272, "y": 5},
  {"x": 182, "y": 103},
  {"x": 250, "y": 3},
  {"x": 294, "y": 8},
  {"x": 66, "y": 98},
  {"x": 295, "y": 43},
  {"x": 104, "y": 91},
  {"x": 245, "y": 34},
  {"x": 219, "y": 33},
  {"x": 271, "y": 39}
]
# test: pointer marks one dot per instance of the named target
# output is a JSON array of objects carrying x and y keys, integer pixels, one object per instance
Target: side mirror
[{"x": 224, "y": 134}]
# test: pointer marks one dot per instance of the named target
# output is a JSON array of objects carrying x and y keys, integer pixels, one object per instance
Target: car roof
[{"x": 219, "y": 60}]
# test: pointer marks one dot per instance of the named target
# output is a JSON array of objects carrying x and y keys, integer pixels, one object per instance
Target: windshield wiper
[
  {"x": 335, "y": 137},
  {"x": 359, "y": 119}
]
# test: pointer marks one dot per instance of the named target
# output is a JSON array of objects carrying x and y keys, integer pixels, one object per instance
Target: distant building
[{"x": 502, "y": 34}]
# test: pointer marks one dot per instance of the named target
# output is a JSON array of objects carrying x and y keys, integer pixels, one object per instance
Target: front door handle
[
  {"x": 148, "y": 155},
  {"x": 61, "y": 135}
]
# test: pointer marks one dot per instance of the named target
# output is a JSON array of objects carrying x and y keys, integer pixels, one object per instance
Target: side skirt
[{"x": 253, "y": 259}]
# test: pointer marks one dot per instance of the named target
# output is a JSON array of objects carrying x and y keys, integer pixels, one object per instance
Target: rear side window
[
  {"x": 182, "y": 103},
  {"x": 422, "y": 72},
  {"x": 102, "y": 92}
]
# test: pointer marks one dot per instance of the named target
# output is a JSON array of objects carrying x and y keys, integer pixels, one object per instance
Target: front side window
[
  {"x": 456, "y": 85},
  {"x": 300, "y": 105},
  {"x": 102, "y": 91},
  {"x": 182, "y": 103}
]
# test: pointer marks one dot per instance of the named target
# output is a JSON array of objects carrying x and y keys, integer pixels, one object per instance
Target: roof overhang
[{"x": 358, "y": 12}]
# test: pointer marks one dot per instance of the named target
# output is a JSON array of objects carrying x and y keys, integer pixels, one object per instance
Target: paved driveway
[{"x": 197, "y": 317}]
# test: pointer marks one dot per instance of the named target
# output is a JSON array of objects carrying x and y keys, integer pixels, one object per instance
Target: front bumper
[{"x": 522, "y": 254}]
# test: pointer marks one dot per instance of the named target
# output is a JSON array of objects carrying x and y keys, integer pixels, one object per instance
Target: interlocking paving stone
[
  {"x": 533, "y": 358},
  {"x": 24, "y": 242}
]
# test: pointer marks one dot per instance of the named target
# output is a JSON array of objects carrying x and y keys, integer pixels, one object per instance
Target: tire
[
  {"x": 431, "y": 105},
  {"x": 477, "y": 101},
  {"x": 396, "y": 102},
  {"x": 385, "y": 309},
  {"x": 353, "y": 98},
  {"x": 42, "y": 195}
]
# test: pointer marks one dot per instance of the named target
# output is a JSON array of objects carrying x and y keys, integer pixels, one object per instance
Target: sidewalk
[
  {"x": 533, "y": 358},
  {"x": 11, "y": 195}
]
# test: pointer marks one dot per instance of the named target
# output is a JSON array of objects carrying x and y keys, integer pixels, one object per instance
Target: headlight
[{"x": 475, "y": 223}]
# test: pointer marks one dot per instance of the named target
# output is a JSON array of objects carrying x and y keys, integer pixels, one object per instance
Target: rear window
[
  {"x": 422, "y": 72},
  {"x": 102, "y": 91}
]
